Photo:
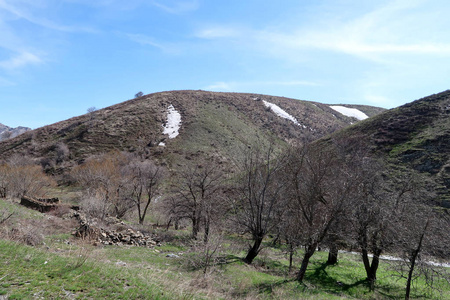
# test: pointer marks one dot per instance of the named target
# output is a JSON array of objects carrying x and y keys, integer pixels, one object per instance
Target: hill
[
  {"x": 212, "y": 124},
  {"x": 415, "y": 136}
]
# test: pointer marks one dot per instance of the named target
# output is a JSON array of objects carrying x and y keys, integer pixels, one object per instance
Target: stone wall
[{"x": 42, "y": 205}]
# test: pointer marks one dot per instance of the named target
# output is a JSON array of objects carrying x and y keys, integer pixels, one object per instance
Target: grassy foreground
[
  {"x": 65, "y": 270},
  {"x": 59, "y": 266}
]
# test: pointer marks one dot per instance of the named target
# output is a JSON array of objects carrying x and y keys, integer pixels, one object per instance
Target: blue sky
[{"x": 60, "y": 57}]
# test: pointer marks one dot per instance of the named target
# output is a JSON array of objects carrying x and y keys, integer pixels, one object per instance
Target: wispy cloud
[
  {"x": 21, "y": 60},
  {"x": 23, "y": 13},
  {"x": 177, "y": 7},
  {"x": 385, "y": 31},
  {"x": 150, "y": 41},
  {"x": 216, "y": 32}
]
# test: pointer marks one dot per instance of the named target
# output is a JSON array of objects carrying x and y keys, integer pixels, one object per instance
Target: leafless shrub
[
  {"x": 202, "y": 255},
  {"x": 20, "y": 176},
  {"x": 104, "y": 184},
  {"x": 60, "y": 211},
  {"x": 81, "y": 255},
  {"x": 27, "y": 235},
  {"x": 62, "y": 152},
  {"x": 94, "y": 206}
]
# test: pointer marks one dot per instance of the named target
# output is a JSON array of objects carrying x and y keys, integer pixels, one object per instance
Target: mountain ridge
[
  {"x": 7, "y": 132},
  {"x": 213, "y": 123}
]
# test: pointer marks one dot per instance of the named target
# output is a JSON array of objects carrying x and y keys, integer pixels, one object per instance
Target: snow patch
[
  {"x": 282, "y": 113},
  {"x": 173, "y": 124},
  {"x": 349, "y": 112},
  {"x": 393, "y": 258}
]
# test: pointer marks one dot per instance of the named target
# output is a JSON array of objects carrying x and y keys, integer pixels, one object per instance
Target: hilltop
[{"x": 212, "y": 124}]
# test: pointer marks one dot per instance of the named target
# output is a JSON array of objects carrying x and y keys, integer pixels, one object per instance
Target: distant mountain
[
  {"x": 178, "y": 126},
  {"x": 8, "y": 132},
  {"x": 415, "y": 136}
]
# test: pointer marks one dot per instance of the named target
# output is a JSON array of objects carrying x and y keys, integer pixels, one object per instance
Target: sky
[{"x": 60, "y": 57}]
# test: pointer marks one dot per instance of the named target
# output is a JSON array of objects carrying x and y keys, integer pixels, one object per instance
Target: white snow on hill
[
  {"x": 282, "y": 113},
  {"x": 173, "y": 124},
  {"x": 349, "y": 112}
]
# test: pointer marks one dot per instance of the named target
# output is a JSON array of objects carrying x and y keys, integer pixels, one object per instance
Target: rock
[{"x": 172, "y": 255}]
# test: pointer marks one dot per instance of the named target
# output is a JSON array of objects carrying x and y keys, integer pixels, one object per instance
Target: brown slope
[
  {"x": 212, "y": 124},
  {"x": 415, "y": 136}
]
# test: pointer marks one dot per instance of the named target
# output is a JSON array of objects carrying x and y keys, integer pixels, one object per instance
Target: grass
[
  {"x": 86, "y": 271},
  {"x": 64, "y": 267}
]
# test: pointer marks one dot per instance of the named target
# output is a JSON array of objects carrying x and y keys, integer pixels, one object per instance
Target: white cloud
[{"x": 21, "y": 60}]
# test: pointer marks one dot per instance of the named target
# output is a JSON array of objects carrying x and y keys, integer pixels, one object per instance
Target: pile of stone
[
  {"x": 127, "y": 237},
  {"x": 89, "y": 229}
]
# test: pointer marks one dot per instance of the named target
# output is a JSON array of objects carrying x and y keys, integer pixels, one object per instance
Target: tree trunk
[
  {"x": 412, "y": 260},
  {"x": 195, "y": 227},
  {"x": 253, "y": 251},
  {"x": 308, "y": 253},
  {"x": 371, "y": 268},
  {"x": 332, "y": 255},
  {"x": 207, "y": 224},
  {"x": 409, "y": 280},
  {"x": 291, "y": 255},
  {"x": 373, "y": 272}
]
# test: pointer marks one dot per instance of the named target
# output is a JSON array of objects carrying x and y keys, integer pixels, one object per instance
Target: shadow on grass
[
  {"x": 321, "y": 278},
  {"x": 267, "y": 288}
]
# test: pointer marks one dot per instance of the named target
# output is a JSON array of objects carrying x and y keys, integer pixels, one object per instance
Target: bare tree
[
  {"x": 196, "y": 192},
  {"x": 144, "y": 179},
  {"x": 423, "y": 237},
  {"x": 257, "y": 195},
  {"x": 102, "y": 178},
  {"x": 318, "y": 191},
  {"x": 91, "y": 114},
  {"x": 378, "y": 204}
]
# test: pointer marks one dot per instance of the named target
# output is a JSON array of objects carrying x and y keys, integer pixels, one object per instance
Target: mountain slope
[
  {"x": 8, "y": 132},
  {"x": 415, "y": 135},
  {"x": 212, "y": 124}
]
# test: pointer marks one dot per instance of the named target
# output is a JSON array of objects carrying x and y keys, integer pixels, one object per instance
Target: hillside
[
  {"x": 415, "y": 136},
  {"x": 212, "y": 124}
]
